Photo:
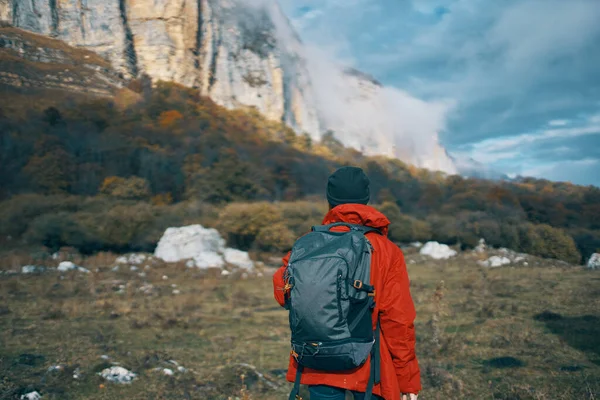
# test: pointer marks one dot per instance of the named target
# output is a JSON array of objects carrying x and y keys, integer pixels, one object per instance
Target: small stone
[
  {"x": 118, "y": 375},
  {"x": 594, "y": 261},
  {"x": 31, "y": 396}
]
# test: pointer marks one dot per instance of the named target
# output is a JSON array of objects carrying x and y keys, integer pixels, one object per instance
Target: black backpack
[{"x": 330, "y": 302}]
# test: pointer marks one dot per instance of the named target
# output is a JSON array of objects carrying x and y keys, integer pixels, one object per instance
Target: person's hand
[{"x": 409, "y": 396}]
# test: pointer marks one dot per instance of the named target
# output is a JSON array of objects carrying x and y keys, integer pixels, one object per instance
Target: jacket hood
[{"x": 359, "y": 214}]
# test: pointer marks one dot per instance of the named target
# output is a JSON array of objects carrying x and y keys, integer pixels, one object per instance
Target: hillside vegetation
[{"x": 112, "y": 174}]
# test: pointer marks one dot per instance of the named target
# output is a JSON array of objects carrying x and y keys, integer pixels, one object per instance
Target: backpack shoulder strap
[{"x": 353, "y": 227}]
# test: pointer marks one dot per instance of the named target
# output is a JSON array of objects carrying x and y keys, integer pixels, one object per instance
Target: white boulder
[
  {"x": 193, "y": 242},
  {"x": 418, "y": 245},
  {"x": 201, "y": 247},
  {"x": 66, "y": 266},
  {"x": 437, "y": 251},
  {"x": 117, "y": 375},
  {"x": 31, "y": 396},
  {"x": 594, "y": 261}
]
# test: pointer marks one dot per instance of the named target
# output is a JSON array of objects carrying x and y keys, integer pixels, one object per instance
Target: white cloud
[
  {"x": 504, "y": 66},
  {"x": 502, "y": 143},
  {"x": 379, "y": 120},
  {"x": 558, "y": 122}
]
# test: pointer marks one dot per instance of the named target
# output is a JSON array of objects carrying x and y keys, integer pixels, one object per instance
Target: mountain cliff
[{"x": 241, "y": 53}]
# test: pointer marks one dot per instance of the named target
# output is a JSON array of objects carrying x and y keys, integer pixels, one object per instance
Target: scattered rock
[
  {"x": 30, "y": 269},
  {"x": 481, "y": 247},
  {"x": 437, "y": 251},
  {"x": 418, "y": 245},
  {"x": 118, "y": 375},
  {"x": 147, "y": 289},
  {"x": 594, "y": 261},
  {"x": 66, "y": 266},
  {"x": 225, "y": 272},
  {"x": 31, "y": 396},
  {"x": 133, "y": 268},
  {"x": 168, "y": 372},
  {"x": 176, "y": 291},
  {"x": 133, "y": 258}
]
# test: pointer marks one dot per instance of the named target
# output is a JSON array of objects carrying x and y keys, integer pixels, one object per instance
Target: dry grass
[{"x": 507, "y": 333}]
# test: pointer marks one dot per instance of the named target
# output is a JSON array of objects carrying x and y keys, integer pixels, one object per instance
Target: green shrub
[
  {"x": 57, "y": 230},
  {"x": 403, "y": 228},
  {"x": 546, "y": 241},
  {"x": 17, "y": 213},
  {"x": 277, "y": 237},
  {"x": 241, "y": 223},
  {"x": 300, "y": 216}
]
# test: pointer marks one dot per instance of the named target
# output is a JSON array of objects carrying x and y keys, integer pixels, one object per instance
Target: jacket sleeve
[
  {"x": 279, "y": 281},
  {"x": 397, "y": 316}
]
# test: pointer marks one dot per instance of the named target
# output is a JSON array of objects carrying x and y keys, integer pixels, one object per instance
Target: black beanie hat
[{"x": 348, "y": 185}]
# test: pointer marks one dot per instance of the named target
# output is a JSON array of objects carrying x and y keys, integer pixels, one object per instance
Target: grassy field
[{"x": 505, "y": 333}]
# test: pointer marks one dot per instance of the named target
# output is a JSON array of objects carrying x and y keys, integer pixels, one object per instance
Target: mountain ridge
[{"x": 240, "y": 54}]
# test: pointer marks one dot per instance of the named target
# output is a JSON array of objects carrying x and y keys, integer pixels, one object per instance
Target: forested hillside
[{"x": 111, "y": 174}]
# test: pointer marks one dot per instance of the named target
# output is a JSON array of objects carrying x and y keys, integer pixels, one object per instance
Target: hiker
[{"x": 351, "y": 313}]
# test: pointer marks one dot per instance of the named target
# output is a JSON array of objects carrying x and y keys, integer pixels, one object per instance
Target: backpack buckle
[{"x": 357, "y": 284}]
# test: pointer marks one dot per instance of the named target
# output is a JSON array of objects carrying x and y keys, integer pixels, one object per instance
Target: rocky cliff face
[
  {"x": 227, "y": 49},
  {"x": 241, "y": 53},
  {"x": 31, "y": 61}
]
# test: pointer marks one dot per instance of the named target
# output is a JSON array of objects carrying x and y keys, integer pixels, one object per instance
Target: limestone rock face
[{"x": 227, "y": 49}]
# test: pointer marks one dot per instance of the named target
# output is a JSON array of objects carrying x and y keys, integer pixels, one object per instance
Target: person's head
[{"x": 348, "y": 185}]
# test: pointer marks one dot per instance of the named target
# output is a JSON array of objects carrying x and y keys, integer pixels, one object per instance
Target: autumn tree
[{"x": 132, "y": 188}]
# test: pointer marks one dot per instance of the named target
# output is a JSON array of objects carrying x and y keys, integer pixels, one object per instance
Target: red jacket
[{"x": 399, "y": 367}]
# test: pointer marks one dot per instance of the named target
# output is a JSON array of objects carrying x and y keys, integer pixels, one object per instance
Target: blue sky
[{"x": 523, "y": 75}]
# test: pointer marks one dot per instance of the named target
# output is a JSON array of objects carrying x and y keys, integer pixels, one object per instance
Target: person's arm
[
  {"x": 397, "y": 316},
  {"x": 279, "y": 282}
]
